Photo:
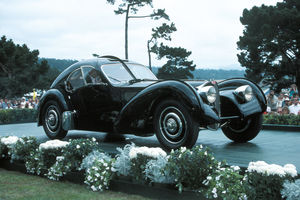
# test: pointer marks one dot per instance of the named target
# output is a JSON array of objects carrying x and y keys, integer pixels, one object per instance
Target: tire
[
  {"x": 174, "y": 126},
  {"x": 52, "y": 120},
  {"x": 244, "y": 131}
]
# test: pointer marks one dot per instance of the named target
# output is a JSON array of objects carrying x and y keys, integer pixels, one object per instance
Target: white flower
[
  {"x": 209, "y": 178},
  {"x": 290, "y": 170},
  {"x": 10, "y": 140},
  {"x": 94, "y": 188},
  {"x": 272, "y": 169},
  {"x": 150, "y": 152},
  {"x": 53, "y": 144},
  {"x": 205, "y": 153},
  {"x": 77, "y": 146},
  {"x": 217, "y": 178},
  {"x": 183, "y": 149},
  {"x": 93, "y": 139},
  {"x": 235, "y": 168}
]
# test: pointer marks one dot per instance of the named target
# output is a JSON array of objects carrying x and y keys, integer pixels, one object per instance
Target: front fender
[
  {"x": 52, "y": 94},
  {"x": 230, "y": 106},
  {"x": 145, "y": 102}
]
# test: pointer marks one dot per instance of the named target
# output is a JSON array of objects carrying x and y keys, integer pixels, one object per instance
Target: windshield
[
  {"x": 117, "y": 73},
  {"x": 141, "y": 72}
]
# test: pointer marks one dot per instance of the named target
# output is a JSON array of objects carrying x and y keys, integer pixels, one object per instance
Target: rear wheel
[
  {"x": 244, "y": 130},
  {"x": 52, "y": 120},
  {"x": 174, "y": 125}
]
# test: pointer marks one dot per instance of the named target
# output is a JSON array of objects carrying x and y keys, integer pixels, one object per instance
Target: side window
[
  {"x": 75, "y": 80},
  {"x": 91, "y": 75}
]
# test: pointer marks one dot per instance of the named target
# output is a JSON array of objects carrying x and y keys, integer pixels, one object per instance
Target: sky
[{"x": 76, "y": 29}]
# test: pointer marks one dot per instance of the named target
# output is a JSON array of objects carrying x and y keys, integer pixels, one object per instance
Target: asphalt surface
[{"x": 274, "y": 147}]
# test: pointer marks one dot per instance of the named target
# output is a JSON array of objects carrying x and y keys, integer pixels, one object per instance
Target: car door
[
  {"x": 97, "y": 97},
  {"x": 74, "y": 86}
]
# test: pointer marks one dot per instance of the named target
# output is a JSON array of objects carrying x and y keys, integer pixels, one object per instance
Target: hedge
[
  {"x": 30, "y": 115},
  {"x": 11, "y": 116},
  {"x": 282, "y": 119}
]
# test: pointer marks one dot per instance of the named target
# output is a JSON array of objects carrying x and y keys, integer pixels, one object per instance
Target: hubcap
[
  {"x": 51, "y": 119},
  {"x": 240, "y": 127},
  {"x": 172, "y": 125}
]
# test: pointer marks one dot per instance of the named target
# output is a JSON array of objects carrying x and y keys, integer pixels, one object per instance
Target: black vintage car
[{"x": 123, "y": 97}]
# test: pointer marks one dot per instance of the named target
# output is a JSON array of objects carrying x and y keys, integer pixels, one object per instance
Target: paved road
[{"x": 278, "y": 147}]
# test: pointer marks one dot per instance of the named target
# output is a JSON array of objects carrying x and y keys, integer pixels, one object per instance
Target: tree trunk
[
  {"x": 149, "y": 54},
  {"x": 126, "y": 32}
]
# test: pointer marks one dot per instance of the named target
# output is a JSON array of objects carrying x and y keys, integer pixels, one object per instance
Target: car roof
[{"x": 94, "y": 62}]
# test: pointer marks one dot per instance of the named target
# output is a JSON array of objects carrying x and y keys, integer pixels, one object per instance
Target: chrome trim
[
  {"x": 68, "y": 120},
  {"x": 172, "y": 133}
]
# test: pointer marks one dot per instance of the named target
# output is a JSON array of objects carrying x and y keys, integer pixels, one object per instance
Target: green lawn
[{"x": 17, "y": 186}]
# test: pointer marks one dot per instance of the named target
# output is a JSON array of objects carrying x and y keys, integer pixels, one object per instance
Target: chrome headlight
[
  {"x": 244, "y": 92},
  {"x": 209, "y": 92}
]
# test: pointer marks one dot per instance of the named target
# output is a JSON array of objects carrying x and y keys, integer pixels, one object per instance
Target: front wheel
[
  {"x": 244, "y": 130},
  {"x": 174, "y": 125},
  {"x": 52, "y": 120}
]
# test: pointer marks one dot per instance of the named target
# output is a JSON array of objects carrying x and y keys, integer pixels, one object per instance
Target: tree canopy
[
  {"x": 161, "y": 32},
  {"x": 177, "y": 66},
  {"x": 20, "y": 70},
  {"x": 130, "y": 8},
  {"x": 270, "y": 45}
]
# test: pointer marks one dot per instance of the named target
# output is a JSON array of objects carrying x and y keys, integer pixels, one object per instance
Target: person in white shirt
[{"x": 295, "y": 107}]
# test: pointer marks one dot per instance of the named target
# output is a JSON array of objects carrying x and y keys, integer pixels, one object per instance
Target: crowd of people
[
  {"x": 286, "y": 102},
  {"x": 19, "y": 103}
]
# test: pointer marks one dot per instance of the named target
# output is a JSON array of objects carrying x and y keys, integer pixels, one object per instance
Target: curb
[
  {"x": 281, "y": 127},
  {"x": 121, "y": 184}
]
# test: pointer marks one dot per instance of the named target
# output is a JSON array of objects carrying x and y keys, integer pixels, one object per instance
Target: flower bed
[{"x": 193, "y": 169}]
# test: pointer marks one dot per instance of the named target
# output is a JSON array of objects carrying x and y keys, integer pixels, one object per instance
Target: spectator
[
  {"x": 285, "y": 110},
  {"x": 272, "y": 101},
  {"x": 4, "y": 104},
  {"x": 295, "y": 107},
  {"x": 1, "y": 101},
  {"x": 293, "y": 90},
  {"x": 280, "y": 101},
  {"x": 23, "y": 102}
]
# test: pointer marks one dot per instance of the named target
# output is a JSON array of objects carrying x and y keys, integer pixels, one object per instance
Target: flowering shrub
[
  {"x": 99, "y": 175},
  {"x": 225, "y": 183},
  {"x": 291, "y": 190},
  {"x": 89, "y": 160},
  {"x": 6, "y": 145},
  {"x": 139, "y": 157},
  {"x": 157, "y": 172},
  {"x": 122, "y": 163},
  {"x": 265, "y": 181},
  {"x": 23, "y": 148},
  {"x": 190, "y": 167},
  {"x": 3, "y": 150},
  {"x": 44, "y": 157},
  {"x": 71, "y": 157}
]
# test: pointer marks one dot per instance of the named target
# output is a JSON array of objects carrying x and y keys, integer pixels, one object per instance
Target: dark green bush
[
  {"x": 282, "y": 119},
  {"x": 10, "y": 116}
]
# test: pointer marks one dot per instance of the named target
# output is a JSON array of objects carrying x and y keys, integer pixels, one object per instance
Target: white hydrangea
[
  {"x": 10, "y": 140},
  {"x": 150, "y": 152},
  {"x": 53, "y": 144},
  {"x": 272, "y": 169}
]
